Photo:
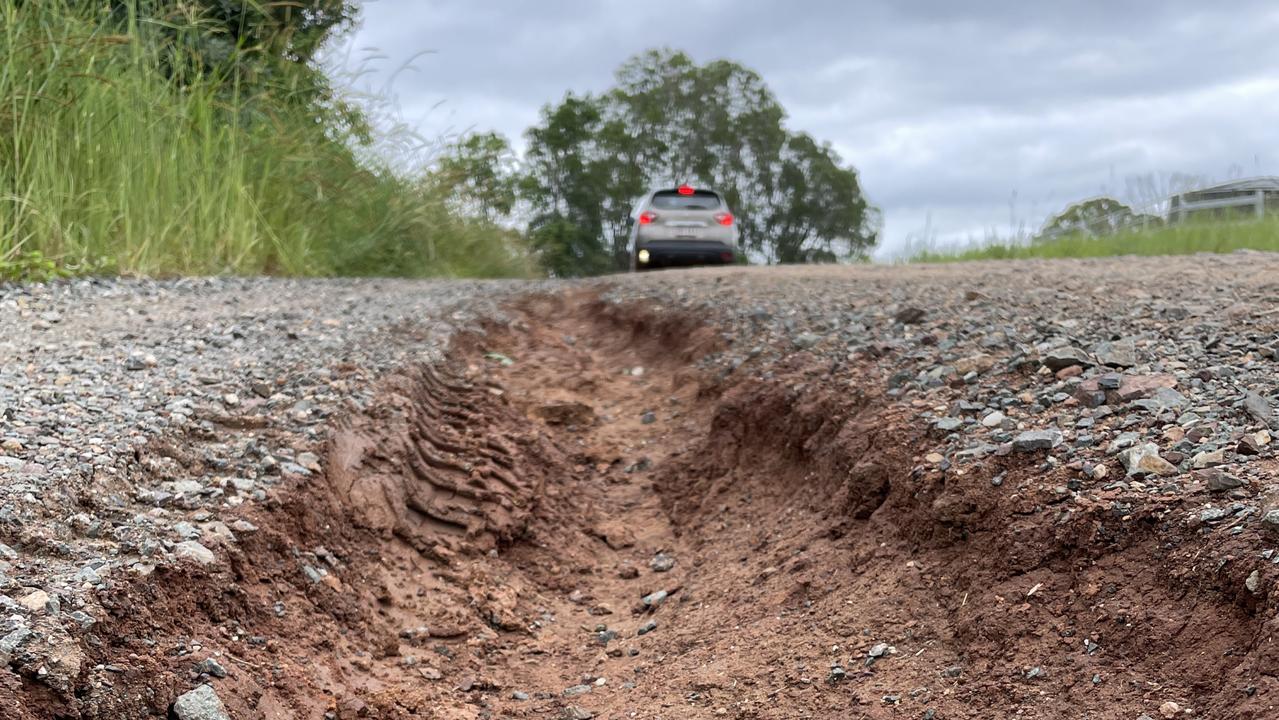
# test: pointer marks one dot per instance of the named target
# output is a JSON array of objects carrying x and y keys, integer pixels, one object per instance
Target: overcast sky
[{"x": 963, "y": 118}]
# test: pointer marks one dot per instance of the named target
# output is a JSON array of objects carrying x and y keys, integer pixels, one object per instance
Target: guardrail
[{"x": 1179, "y": 207}]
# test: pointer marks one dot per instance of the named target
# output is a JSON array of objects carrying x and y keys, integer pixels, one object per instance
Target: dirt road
[{"x": 1038, "y": 490}]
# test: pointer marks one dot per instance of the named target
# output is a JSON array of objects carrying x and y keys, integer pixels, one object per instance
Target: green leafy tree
[
  {"x": 567, "y": 249},
  {"x": 1094, "y": 218},
  {"x": 264, "y": 48},
  {"x": 477, "y": 173},
  {"x": 568, "y": 181},
  {"x": 669, "y": 120},
  {"x": 293, "y": 30}
]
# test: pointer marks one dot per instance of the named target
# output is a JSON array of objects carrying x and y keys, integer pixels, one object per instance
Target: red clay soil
[{"x": 484, "y": 536}]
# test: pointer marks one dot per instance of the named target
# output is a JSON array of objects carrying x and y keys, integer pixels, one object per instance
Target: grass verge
[
  {"x": 115, "y": 157},
  {"x": 1220, "y": 237}
]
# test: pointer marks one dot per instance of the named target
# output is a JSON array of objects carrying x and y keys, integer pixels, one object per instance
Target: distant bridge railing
[{"x": 1179, "y": 208}]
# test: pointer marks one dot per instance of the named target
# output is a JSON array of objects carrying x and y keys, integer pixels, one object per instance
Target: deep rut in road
[{"x": 570, "y": 519}]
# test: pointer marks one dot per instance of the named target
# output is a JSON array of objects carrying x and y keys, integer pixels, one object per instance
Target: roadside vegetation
[
  {"x": 170, "y": 137},
  {"x": 177, "y": 137},
  {"x": 1104, "y": 227},
  {"x": 181, "y": 137}
]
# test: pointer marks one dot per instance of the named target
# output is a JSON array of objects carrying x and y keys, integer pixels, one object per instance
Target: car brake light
[
  {"x": 647, "y": 218},
  {"x": 685, "y": 190},
  {"x": 724, "y": 219}
]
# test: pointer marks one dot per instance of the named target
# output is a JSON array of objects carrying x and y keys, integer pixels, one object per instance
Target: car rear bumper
[
  {"x": 683, "y": 253},
  {"x": 674, "y": 233}
]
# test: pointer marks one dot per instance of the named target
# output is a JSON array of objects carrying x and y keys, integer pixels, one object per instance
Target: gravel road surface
[{"x": 1044, "y": 489}]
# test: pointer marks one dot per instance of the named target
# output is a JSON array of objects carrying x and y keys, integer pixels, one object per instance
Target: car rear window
[{"x": 672, "y": 200}]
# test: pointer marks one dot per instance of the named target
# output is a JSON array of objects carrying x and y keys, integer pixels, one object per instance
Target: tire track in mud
[{"x": 490, "y": 536}]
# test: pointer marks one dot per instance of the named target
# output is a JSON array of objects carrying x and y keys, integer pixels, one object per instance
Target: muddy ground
[{"x": 574, "y": 515}]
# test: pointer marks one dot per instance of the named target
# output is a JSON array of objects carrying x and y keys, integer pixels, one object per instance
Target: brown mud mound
[
  {"x": 351, "y": 591},
  {"x": 569, "y": 520},
  {"x": 440, "y": 463},
  {"x": 855, "y": 581}
]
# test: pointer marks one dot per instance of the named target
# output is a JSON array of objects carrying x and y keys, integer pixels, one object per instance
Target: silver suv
[{"x": 680, "y": 227}]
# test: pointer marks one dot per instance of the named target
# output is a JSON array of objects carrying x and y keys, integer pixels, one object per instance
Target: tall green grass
[
  {"x": 116, "y": 157},
  {"x": 1187, "y": 239}
]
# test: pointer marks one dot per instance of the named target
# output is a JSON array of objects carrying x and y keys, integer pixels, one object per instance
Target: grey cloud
[{"x": 946, "y": 108}]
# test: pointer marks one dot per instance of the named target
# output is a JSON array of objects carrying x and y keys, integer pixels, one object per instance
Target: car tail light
[
  {"x": 647, "y": 218},
  {"x": 724, "y": 219},
  {"x": 685, "y": 190},
  {"x": 726, "y": 256}
]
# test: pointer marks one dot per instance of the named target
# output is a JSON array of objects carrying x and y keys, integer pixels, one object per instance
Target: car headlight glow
[{"x": 642, "y": 256}]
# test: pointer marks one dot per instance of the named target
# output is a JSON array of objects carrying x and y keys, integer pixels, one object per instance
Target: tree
[
  {"x": 818, "y": 209},
  {"x": 1095, "y": 217},
  {"x": 265, "y": 49},
  {"x": 567, "y": 249},
  {"x": 670, "y": 121},
  {"x": 294, "y": 30},
  {"x": 477, "y": 176}
]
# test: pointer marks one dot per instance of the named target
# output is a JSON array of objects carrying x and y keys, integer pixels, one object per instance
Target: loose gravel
[
  {"x": 96, "y": 371},
  {"x": 1152, "y": 376}
]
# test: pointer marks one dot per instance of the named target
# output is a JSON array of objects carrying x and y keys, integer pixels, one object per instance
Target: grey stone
[
  {"x": 1217, "y": 480},
  {"x": 806, "y": 341},
  {"x": 293, "y": 468},
  {"x": 212, "y": 667},
  {"x": 1258, "y": 407},
  {"x": 661, "y": 563},
  {"x": 195, "y": 552},
  {"x": 138, "y": 361},
  {"x": 202, "y": 703},
  {"x": 654, "y": 599},
  {"x": 186, "y": 530},
  {"x": 910, "y": 315},
  {"x": 14, "y": 640},
  {"x": 1212, "y": 514},
  {"x": 994, "y": 419},
  {"x": 88, "y": 574},
  {"x": 1207, "y": 459},
  {"x": 1118, "y": 353},
  {"x": 1033, "y": 440},
  {"x": 1145, "y": 460},
  {"x": 1110, "y": 381},
  {"x": 1162, "y": 399},
  {"x": 948, "y": 424},
  {"x": 1270, "y": 520},
  {"x": 1064, "y": 357},
  {"x": 1123, "y": 441},
  {"x": 83, "y": 619}
]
